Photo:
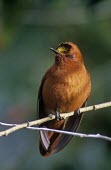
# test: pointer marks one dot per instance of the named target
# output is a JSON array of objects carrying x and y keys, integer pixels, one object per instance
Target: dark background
[{"x": 27, "y": 30}]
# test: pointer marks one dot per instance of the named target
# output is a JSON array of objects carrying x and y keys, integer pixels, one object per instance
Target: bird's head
[{"x": 68, "y": 49}]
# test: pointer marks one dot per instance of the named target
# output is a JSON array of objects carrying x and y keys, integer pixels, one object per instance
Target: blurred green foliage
[{"x": 27, "y": 30}]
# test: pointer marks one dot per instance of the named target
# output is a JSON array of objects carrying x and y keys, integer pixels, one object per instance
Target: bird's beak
[{"x": 55, "y": 51}]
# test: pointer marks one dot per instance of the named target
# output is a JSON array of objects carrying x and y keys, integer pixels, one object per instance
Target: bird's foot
[
  {"x": 57, "y": 116},
  {"x": 78, "y": 111}
]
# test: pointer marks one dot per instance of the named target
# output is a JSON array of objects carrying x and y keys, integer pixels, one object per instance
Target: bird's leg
[
  {"x": 78, "y": 111},
  {"x": 57, "y": 116}
]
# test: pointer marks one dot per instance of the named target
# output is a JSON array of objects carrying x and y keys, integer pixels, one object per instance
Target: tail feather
[
  {"x": 72, "y": 126},
  {"x": 51, "y": 142}
]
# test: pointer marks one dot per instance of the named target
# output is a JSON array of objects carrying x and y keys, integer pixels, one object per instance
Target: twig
[
  {"x": 51, "y": 117},
  {"x": 81, "y": 135}
]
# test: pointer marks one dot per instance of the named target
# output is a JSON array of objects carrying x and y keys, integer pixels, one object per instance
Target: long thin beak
[{"x": 55, "y": 51}]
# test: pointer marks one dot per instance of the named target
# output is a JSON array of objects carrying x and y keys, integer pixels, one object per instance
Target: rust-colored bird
[{"x": 65, "y": 87}]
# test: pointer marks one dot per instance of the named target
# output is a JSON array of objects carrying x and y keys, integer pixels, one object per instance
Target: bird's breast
[{"x": 65, "y": 91}]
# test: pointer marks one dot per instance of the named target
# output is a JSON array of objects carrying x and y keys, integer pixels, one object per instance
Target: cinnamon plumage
[{"x": 65, "y": 87}]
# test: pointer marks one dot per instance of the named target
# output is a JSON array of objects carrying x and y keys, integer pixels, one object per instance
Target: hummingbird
[{"x": 64, "y": 88}]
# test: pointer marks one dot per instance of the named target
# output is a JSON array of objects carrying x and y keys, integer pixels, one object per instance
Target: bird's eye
[{"x": 71, "y": 56}]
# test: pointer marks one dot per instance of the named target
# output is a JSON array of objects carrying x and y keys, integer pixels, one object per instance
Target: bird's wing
[{"x": 40, "y": 107}]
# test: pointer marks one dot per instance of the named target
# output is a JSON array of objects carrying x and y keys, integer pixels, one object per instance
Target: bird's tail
[{"x": 51, "y": 142}]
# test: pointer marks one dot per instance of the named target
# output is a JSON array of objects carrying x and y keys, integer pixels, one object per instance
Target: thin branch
[
  {"x": 51, "y": 117},
  {"x": 81, "y": 135}
]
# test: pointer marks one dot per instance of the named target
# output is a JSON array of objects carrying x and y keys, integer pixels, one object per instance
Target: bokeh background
[{"x": 27, "y": 30}]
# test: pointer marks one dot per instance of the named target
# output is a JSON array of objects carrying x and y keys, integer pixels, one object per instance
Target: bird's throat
[{"x": 59, "y": 60}]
